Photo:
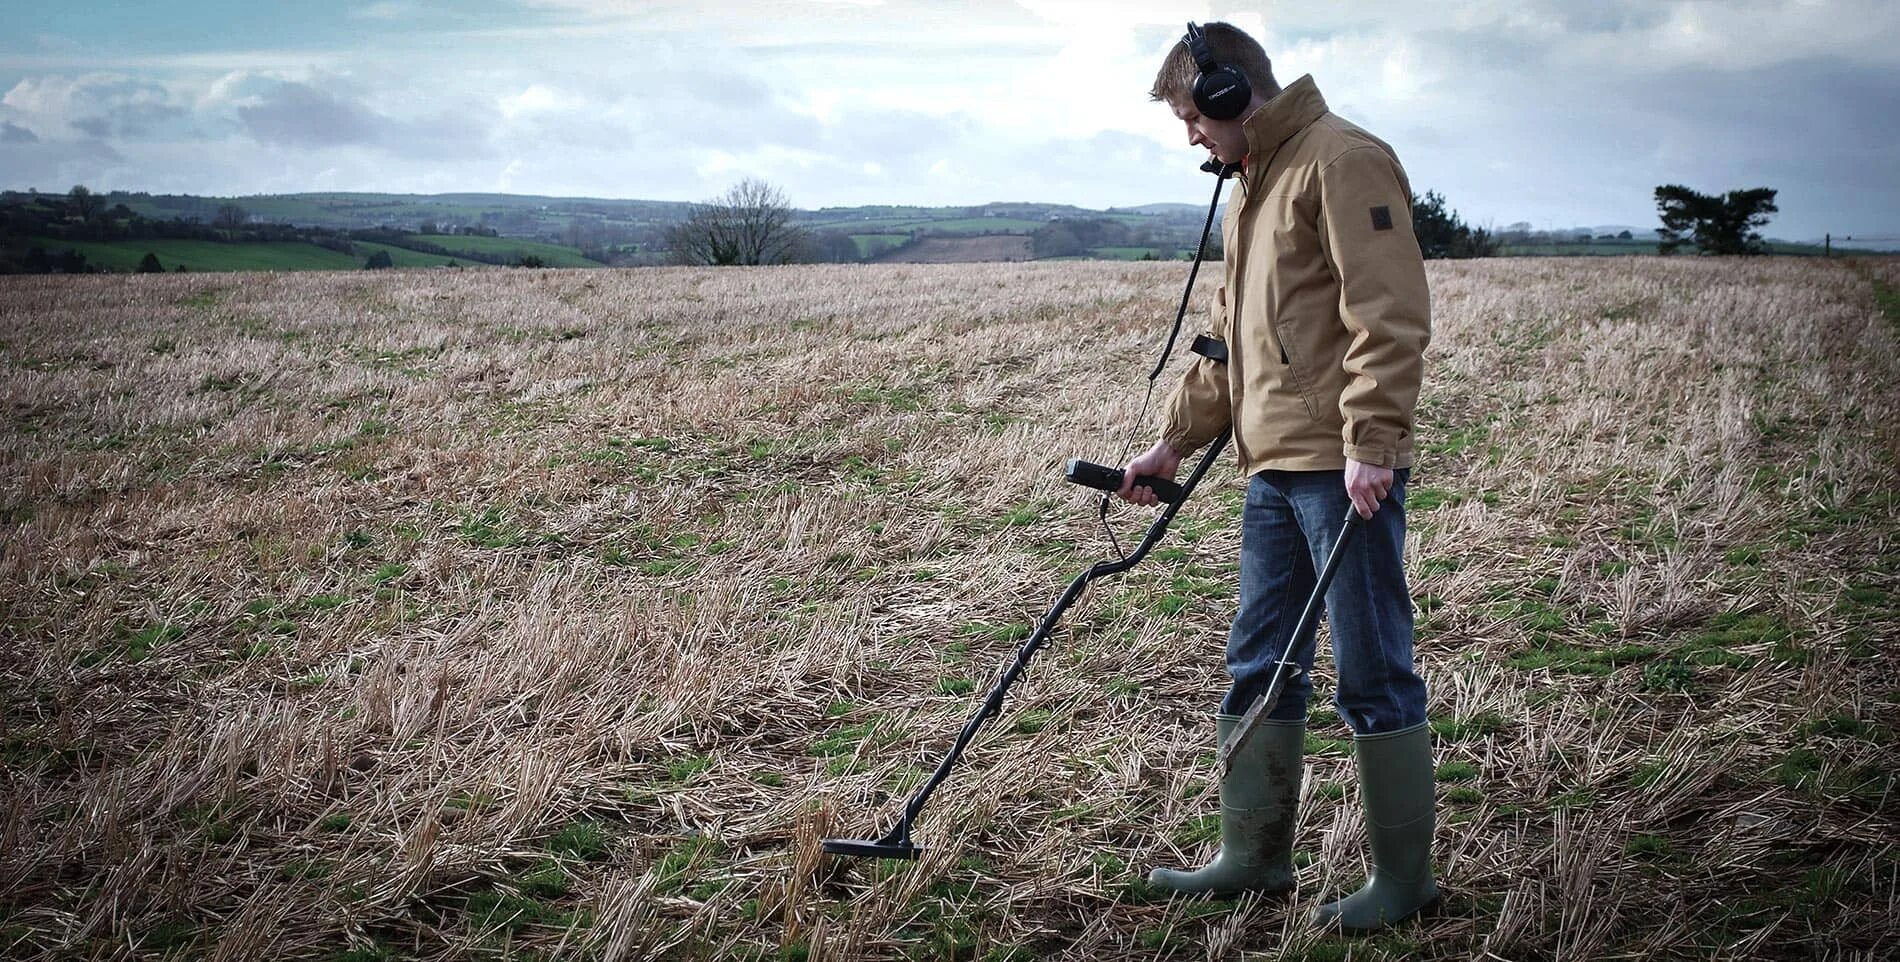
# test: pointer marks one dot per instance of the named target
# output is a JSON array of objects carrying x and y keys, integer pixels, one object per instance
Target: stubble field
[{"x": 545, "y": 614}]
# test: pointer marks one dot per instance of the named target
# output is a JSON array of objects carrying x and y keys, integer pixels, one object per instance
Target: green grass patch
[
  {"x": 1578, "y": 660},
  {"x": 1317, "y": 745},
  {"x": 545, "y": 879},
  {"x": 1199, "y": 830},
  {"x": 1034, "y": 720},
  {"x": 1668, "y": 674},
  {"x": 1473, "y": 726},
  {"x": 133, "y": 644},
  {"x": 674, "y": 868},
  {"x": 387, "y": 572},
  {"x": 1840, "y": 725},
  {"x": 492, "y": 910},
  {"x": 1455, "y": 441},
  {"x": 1425, "y": 499},
  {"x": 1712, "y": 647},
  {"x": 587, "y": 841},
  {"x": 1009, "y": 632},
  {"x": 846, "y": 741},
  {"x": 955, "y": 686},
  {"x": 490, "y": 528},
  {"x": 1648, "y": 847},
  {"x": 886, "y": 396},
  {"x": 1457, "y": 772},
  {"x": 681, "y": 770}
]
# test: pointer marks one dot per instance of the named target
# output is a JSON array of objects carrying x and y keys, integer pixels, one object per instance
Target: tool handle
[{"x": 1104, "y": 478}]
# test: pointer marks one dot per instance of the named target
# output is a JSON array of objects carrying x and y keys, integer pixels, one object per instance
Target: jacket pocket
[{"x": 1298, "y": 378}]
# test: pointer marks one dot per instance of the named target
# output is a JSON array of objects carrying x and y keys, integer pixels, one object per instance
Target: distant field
[
  {"x": 871, "y": 245},
  {"x": 858, "y": 225},
  {"x": 509, "y": 247},
  {"x": 404, "y": 257},
  {"x": 971, "y": 249},
  {"x": 1132, "y": 253},
  {"x": 1579, "y": 249},
  {"x": 975, "y": 225},
  {"x": 209, "y": 255}
]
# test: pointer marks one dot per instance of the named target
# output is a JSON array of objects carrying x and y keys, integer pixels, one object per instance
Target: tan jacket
[{"x": 1325, "y": 310}]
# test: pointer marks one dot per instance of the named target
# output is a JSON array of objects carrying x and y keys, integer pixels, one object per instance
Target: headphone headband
[
  {"x": 1221, "y": 91},
  {"x": 1198, "y": 49}
]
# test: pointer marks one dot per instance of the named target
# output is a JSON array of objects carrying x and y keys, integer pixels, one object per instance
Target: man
[{"x": 1324, "y": 316}]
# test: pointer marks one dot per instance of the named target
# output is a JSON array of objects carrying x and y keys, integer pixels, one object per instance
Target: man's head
[{"x": 1174, "y": 86}]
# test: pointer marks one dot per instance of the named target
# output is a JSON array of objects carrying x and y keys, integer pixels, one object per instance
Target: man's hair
[{"x": 1175, "y": 81}]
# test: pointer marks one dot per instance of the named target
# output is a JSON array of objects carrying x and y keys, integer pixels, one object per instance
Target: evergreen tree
[
  {"x": 1726, "y": 224},
  {"x": 1441, "y": 233}
]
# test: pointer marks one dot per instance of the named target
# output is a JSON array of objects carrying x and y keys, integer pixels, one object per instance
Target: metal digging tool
[
  {"x": 896, "y": 843},
  {"x": 1284, "y": 669}
]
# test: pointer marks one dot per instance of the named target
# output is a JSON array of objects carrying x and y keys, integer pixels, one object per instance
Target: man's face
[{"x": 1225, "y": 139}]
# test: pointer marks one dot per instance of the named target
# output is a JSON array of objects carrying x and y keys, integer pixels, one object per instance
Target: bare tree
[
  {"x": 85, "y": 203},
  {"x": 230, "y": 217},
  {"x": 749, "y": 224}
]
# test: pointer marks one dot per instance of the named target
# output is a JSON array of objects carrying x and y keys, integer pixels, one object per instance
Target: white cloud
[
  {"x": 538, "y": 99},
  {"x": 1516, "y": 109},
  {"x": 386, "y": 10}
]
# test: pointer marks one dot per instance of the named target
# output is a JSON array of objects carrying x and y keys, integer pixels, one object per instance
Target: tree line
[
  {"x": 33, "y": 225},
  {"x": 753, "y": 224}
]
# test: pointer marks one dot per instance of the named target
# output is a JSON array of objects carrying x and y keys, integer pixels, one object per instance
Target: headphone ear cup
[{"x": 1222, "y": 93}]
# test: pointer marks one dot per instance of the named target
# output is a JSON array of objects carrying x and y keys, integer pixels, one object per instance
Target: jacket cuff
[
  {"x": 1183, "y": 445},
  {"x": 1376, "y": 456}
]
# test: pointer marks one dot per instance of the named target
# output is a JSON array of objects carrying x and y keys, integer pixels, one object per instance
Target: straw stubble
[{"x": 452, "y": 614}]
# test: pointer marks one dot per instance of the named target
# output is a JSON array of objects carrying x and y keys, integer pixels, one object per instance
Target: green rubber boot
[
  {"x": 1395, "y": 787},
  {"x": 1257, "y": 802}
]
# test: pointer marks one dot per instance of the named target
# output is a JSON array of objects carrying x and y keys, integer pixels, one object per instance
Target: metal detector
[{"x": 896, "y": 843}]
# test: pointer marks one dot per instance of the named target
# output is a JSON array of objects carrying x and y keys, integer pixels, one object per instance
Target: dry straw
[{"x": 559, "y": 614}]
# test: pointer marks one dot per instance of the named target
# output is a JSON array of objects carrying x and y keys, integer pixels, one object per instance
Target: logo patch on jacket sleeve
[{"x": 1382, "y": 218}]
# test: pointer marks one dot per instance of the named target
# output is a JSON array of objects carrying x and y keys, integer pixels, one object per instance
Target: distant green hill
[
  {"x": 509, "y": 249},
  {"x": 634, "y": 230},
  {"x": 209, "y": 255},
  {"x": 312, "y": 231}
]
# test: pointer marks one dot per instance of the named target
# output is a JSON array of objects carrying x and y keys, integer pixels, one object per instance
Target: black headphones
[{"x": 1221, "y": 92}]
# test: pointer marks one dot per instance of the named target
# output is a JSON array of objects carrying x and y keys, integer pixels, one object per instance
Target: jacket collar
[{"x": 1276, "y": 121}]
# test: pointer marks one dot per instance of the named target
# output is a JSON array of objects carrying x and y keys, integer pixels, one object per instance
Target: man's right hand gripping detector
[{"x": 1103, "y": 478}]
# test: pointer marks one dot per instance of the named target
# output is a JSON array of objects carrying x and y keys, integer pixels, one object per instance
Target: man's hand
[
  {"x": 1159, "y": 461},
  {"x": 1366, "y": 485}
]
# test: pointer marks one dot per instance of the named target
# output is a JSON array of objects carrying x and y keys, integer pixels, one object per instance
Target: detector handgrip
[{"x": 1104, "y": 478}]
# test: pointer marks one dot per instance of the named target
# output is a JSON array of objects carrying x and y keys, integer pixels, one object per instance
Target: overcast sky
[{"x": 1555, "y": 112}]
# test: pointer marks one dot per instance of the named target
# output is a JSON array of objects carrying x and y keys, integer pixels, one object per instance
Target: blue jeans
[{"x": 1291, "y": 521}]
